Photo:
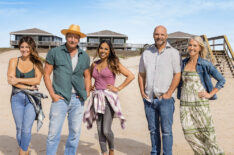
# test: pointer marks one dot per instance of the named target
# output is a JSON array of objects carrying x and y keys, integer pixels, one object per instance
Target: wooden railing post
[
  {"x": 209, "y": 49},
  {"x": 229, "y": 46}
]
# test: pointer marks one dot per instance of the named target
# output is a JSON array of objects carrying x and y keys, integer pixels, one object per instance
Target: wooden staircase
[
  {"x": 223, "y": 63},
  {"x": 219, "y": 53},
  {"x": 223, "y": 55}
]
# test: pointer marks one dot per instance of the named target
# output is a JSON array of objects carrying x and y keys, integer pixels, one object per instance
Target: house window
[
  {"x": 44, "y": 38},
  {"x": 93, "y": 40},
  {"x": 57, "y": 39},
  {"x": 118, "y": 41},
  {"x": 105, "y": 38},
  {"x": 18, "y": 37}
]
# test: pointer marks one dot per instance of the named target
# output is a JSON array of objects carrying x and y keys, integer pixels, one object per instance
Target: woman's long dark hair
[
  {"x": 34, "y": 56},
  {"x": 112, "y": 60}
]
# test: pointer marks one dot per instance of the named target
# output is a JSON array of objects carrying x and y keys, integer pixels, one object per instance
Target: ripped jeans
[
  {"x": 24, "y": 116},
  {"x": 160, "y": 113},
  {"x": 58, "y": 112}
]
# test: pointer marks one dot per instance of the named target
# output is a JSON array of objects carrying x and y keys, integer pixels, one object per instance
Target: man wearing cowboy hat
[{"x": 69, "y": 90}]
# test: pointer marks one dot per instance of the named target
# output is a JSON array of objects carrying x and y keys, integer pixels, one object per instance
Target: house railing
[
  {"x": 224, "y": 55},
  {"x": 210, "y": 52},
  {"x": 223, "y": 44},
  {"x": 39, "y": 43},
  {"x": 115, "y": 45}
]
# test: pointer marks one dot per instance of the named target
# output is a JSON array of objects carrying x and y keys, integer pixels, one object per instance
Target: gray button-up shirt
[{"x": 159, "y": 68}]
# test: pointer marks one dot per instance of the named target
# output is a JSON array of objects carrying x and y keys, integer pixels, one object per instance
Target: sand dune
[{"x": 134, "y": 140}]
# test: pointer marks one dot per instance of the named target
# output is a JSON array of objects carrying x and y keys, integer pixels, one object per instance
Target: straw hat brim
[{"x": 65, "y": 31}]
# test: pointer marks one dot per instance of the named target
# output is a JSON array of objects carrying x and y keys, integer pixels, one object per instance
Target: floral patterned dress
[{"x": 196, "y": 117}]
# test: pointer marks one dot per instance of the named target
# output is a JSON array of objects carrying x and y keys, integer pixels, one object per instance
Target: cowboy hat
[{"x": 73, "y": 29}]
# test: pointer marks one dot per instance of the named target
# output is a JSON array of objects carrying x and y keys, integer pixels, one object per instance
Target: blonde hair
[{"x": 203, "y": 52}]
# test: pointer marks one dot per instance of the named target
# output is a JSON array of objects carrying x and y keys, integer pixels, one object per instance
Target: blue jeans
[
  {"x": 160, "y": 112},
  {"x": 24, "y": 116},
  {"x": 58, "y": 112}
]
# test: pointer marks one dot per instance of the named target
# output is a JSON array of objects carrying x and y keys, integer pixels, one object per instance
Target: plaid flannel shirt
[{"x": 97, "y": 105}]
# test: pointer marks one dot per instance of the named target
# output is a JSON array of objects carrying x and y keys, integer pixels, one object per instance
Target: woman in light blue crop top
[{"x": 24, "y": 72}]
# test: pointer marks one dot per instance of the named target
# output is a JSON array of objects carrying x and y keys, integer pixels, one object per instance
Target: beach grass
[
  {"x": 2, "y": 50},
  {"x": 120, "y": 53}
]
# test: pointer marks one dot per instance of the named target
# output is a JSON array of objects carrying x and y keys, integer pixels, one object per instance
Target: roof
[
  {"x": 33, "y": 31},
  {"x": 106, "y": 33},
  {"x": 180, "y": 34}
]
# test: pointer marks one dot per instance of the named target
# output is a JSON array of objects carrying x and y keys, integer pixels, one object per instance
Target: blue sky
[{"x": 135, "y": 18}]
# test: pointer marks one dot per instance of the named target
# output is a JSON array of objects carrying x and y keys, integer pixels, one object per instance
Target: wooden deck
[
  {"x": 48, "y": 44},
  {"x": 125, "y": 46}
]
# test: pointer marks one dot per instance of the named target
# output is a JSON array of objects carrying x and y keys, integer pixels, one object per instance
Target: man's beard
[
  {"x": 160, "y": 42},
  {"x": 71, "y": 46}
]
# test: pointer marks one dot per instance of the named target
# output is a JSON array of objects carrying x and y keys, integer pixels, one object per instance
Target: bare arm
[
  {"x": 141, "y": 83},
  {"x": 128, "y": 74},
  {"x": 22, "y": 81},
  {"x": 87, "y": 80},
  {"x": 11, "y": 76},
  {"x": 23, "y": 86},
  {"x": 32, "y": 81},
  {"x": 213, "y": 92},
  {"x": 48, "y": 83},
  {"x": 91, "y": 72},
  {"x": 208, "y": 95},
  {"x": 129, "y": 77},
  {"x": 11, "y": 73},
  {"x": 173, "y": 86}
]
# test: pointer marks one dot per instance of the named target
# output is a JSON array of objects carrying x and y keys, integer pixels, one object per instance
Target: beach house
[
  {"x": 179, "y": 40},
  {"x": 117, "y": 39},
  {"x": 42, "y": 38}
]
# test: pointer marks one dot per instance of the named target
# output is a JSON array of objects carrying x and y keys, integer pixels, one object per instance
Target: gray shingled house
[
  {"x": 117, "y": 39},
  {"x": 179, "y": 40},
  {"x": 42, "y": 38}
]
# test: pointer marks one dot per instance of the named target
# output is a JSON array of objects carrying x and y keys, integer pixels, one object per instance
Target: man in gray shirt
[{"x": 159, "y": 75}]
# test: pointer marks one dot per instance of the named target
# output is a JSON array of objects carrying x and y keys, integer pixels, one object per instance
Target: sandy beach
[{"x": 134, "y": 140}]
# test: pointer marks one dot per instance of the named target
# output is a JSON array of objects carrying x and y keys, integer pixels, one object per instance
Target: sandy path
[{"x": 134, "y": 140}]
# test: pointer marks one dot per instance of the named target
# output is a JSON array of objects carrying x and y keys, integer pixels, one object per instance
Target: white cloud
[
  {"x": 164, "y": 8},
  {"x": 13, "y": 3},
  {"x": 11, "y": 12}
]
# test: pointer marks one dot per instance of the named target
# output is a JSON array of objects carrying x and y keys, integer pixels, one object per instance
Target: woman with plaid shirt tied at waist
[
  {"x": 24, "y": 74},
  {"x": 104, "y": 103}
]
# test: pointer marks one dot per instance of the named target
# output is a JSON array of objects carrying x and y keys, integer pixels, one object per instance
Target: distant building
[
  {"x": 42, "y": 38},
  {"x": 178, "y": 36},
  {"x": 118, "y": 40},
  {"x": 179, "y": 40}
]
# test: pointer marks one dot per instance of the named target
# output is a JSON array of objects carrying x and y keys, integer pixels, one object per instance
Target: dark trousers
[{"x": 105, "y": 133}]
